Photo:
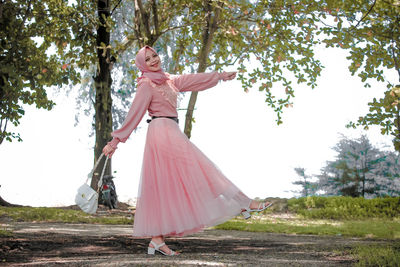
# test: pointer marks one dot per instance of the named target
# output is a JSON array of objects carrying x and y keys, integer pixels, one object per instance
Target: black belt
[{"x": 172, "y": 118}]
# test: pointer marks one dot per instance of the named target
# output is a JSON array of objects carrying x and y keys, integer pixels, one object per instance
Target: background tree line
[{"x": 359, "y": 170}]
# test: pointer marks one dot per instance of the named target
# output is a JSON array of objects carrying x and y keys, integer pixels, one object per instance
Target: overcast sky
[{"x": 236, "y": 130}]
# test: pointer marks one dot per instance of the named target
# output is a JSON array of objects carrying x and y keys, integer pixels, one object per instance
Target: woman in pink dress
[{"x": 181, "y": 191}]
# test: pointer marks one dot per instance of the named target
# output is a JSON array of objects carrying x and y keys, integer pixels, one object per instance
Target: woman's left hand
[
  {"x": 226, "y": 76},
  {"x": 108, "y": 150}
]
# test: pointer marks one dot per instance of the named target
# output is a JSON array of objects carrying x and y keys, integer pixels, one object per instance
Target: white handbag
[{"x": 86, "y": 198}]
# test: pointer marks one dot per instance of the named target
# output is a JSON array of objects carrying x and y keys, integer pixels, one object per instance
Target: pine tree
[{"x": 360, "y": 170}]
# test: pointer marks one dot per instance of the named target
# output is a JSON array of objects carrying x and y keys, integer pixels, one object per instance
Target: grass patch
[
  {"x": 366, "y": 228},
  {"x": 29, "y": 214},
  {"x": 5, "y": 233},
  {"x": 383, "y": 255},
  {"x": 339, "y": 207}
]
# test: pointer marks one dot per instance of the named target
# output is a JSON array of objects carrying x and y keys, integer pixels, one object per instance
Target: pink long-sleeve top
[{"x": 160, "y": 100}]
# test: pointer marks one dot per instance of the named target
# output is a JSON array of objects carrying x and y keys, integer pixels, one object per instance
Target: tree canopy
[
  {"x": 37, "y": 41},
  {"x": 370, "y": 30},
  {"x": 360, "y": 169},
  {"x": 271, "y": 42},
  {"x": 308, "y": 187}
]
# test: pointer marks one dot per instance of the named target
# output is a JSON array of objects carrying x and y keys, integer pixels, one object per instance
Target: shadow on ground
[{"x": 46, "y": 244}]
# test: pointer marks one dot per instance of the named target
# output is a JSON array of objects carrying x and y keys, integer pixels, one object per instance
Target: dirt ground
[{"x": 58, "y": 244}]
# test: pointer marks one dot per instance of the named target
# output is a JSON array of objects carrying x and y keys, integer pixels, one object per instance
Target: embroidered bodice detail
[
  {"x": 169, "y": 92},
  {"x": 147, "y": 80}
]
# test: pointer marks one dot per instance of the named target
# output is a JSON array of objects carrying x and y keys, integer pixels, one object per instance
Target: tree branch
[
  {"x": 365, "y": 15},
  {"x": 27, "y": 11},
  {"x": 176, "y": 27},
  {"x": 2, "y": 134},
  {"x": 126, "y": 45},
  {"x": 137, "y": 30},
  {"x": 1, "y": 124},
  {"x": 225, "y": 64},
  {"x": 176, "y": 61},
  {"x": 112, "y": 11},
  {"x": 145, "y": 18},
  {"x": 207, "y": 40},
  {"x": 396, "y": 63},
  {"x": 155, "y": 17},
  {"x": 127, "y": 24}
]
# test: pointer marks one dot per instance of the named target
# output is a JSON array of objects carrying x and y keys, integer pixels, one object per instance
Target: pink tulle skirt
[{"x": 181, "y": 191}]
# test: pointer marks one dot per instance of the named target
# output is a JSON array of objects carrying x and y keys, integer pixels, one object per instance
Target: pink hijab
[{"x": 157, "y": 77}]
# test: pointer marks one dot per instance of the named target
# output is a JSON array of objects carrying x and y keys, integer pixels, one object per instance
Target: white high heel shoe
[
  {"x": 152, "y": 251},
  {"x": 261, "y": 207}
]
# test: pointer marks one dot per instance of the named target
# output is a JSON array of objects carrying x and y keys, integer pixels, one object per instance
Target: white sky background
[{"x": 236, "y": 130}]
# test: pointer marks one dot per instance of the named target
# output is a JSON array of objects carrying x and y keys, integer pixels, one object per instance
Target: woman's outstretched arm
[
  {"x": 200, "y": 81},
  {"x": 136, "y": 112}
]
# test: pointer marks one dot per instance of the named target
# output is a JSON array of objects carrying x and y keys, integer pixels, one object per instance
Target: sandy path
[{"x": 56, "y": 244}]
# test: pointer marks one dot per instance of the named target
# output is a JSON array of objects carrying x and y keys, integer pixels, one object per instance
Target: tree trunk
[
  {"x": 3, "y": 117},
  {"x": 208, "y": 35},
  {"x": 103, "y": 101},
  {"x": 4, "y": 203},
  {"x": 305, "y": 187},
  {"x": 364, "y": 171}
]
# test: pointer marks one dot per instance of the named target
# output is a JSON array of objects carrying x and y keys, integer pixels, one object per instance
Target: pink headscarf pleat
[{"x": 157, "y": 77}]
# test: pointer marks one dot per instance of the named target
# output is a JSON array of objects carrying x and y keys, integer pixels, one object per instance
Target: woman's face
[{"x": 152, "y": 60}]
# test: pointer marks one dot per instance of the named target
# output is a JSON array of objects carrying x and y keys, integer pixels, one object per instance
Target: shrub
[
  {"x": 377, "y": 255},
  {"x": 345, "y": 207}
]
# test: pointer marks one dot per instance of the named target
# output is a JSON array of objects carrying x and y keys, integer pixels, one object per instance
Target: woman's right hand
[
  {"x": 108, "y": 150},
  {"x": 226, "y": 76}
]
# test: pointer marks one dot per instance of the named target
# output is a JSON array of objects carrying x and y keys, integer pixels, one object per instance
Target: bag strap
[
  {"x": 90, "y": 175},
  {"x": 100, "y": 183}
]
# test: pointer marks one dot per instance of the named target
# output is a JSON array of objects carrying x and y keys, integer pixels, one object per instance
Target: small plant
[
  {"x": 5, "y": 233},
  {"x": 377, "y": 255}
]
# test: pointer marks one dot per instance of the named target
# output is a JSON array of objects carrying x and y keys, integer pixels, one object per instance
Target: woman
[{"x": 181, "y": 191}]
